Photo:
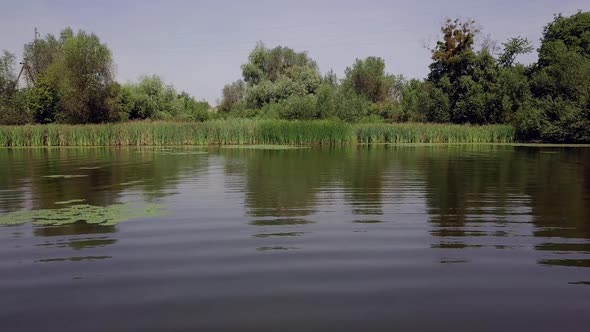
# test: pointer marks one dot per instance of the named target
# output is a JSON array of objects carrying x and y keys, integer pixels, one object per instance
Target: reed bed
[{"x": 248, "y": 131}]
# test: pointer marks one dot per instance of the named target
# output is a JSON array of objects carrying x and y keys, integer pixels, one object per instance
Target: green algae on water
[
  {"x": 62, "y": 176},
  {"x": 72, "y": 201},
  {"x": 262, "y": 147},
  {"x": 130, "y": 183},
  {"x": 89, "y": 214},
  {"x": 183, "y": 153}
]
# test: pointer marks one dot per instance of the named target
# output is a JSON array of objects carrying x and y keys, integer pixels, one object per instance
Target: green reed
[{"x": 248, "y": 131}]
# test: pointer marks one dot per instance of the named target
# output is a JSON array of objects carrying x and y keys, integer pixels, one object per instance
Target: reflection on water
[{"x": 344, "y": 239}]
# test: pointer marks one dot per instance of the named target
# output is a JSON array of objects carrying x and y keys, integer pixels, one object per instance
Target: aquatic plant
[
  {"x": 262, "y": 147},
  {"x": 81, "y": 200},
  {"x": 259, "y": 132},
  {"x": 280, "y": 222},
  {"x": 65, "y": 176},
  {"x": 90, "y": 214}
]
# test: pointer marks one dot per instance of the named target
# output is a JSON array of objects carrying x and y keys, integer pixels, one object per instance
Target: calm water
[{"x": 445, "y": 238}]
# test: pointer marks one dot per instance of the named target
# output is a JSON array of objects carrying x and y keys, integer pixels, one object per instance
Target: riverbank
[{"x": 249, "y": 131}]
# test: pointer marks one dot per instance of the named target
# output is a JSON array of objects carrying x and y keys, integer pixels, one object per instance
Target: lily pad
[{"x": 90, "y": 214}]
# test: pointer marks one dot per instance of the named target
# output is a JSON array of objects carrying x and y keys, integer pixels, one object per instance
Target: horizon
[{"x": 173, "y": 39}]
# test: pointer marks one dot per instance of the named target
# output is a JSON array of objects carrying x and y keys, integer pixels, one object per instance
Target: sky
[{"x": 199, "y": 46}]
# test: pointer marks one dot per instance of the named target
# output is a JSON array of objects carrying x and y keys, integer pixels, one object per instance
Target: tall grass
[
  {"x": 248, "y": 131},
  {"x": 433, "y": 133}
]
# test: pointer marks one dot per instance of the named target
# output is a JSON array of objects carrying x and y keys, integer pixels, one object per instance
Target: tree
[
  {"x": 43, "y": 101},
  {"x": 7, "y": 74},
  {"x": 272, "y": 64},
  {"x": 82, "y": 75},
  {"x": 13, "y": 109},
  {"x": 368, "y": 78},
  {"x": 565, "y": 33},
  {"x": 272, "y": 75},
  {"x": 464, "y": 81},
  {"x": 512, "y": 48},
  {"x": 560, "y": 83},
  {"x": 458, "y": 39},
  {"x": 233, "y": 95},
  {"x": 152, "y": 98},
  {"x": 192, "y": 109},
  {"x": 41, "y": 53}
]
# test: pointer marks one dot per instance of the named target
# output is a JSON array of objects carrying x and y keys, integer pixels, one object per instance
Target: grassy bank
[{"x": 244, "y": 131}]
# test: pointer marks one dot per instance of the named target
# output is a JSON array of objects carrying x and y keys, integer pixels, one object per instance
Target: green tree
[
  {"x": 299, "y": 108},
  {"x": 272, "y": 75},
  {"x": 368, "y": 78},
  {"x": 13, "y": 110},
  {"x": 233, "y": 96},
  {"x": 7, "y": 74},
  {"x": 42, "y": 53},
  {"x": 512, "y": 48},
  {"x": 466, "y": 78},
  {"x": 560, "y": 83},
  {"x": 152, "y": 98},
  {"x": 82, "y": 75},
  {"x": 192, "y": 109},
  {"x": 565, "y": 33},
  {"x": 43, "y": 101}
]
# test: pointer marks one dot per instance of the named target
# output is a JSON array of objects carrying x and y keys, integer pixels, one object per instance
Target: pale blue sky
[{"x": 199, "y": 45}]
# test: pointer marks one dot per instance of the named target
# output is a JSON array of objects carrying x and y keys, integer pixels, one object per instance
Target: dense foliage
[{"x": 69, "y": 79}]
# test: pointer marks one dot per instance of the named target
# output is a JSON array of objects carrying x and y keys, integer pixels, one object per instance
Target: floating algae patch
[
  {"x": 130, "y": 183},
  {"x": 72, "y": 201},
  {"x": 368, "y": 221},
  {"x": 280, "y": 222},
  {"x": 281, "y": 248},
  {"x": 183, "y": 153},
  {"x": 265, "y": 235},
  {"x": 62, "y": 176},
  {"x": 89, "y": 214},
  {"x": 73, "y": 259},
  {"x": 263, "y": 147}
]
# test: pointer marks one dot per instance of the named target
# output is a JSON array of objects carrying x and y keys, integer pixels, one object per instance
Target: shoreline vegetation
[
  {"x": 249, "y": 132},
  {"x": 475, "y": 92}
]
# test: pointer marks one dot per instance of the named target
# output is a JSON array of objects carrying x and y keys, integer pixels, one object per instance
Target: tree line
[{"x": 70, "y": 80}]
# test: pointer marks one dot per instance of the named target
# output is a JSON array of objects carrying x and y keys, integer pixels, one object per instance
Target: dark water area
[{"x": 368, "y": 238}]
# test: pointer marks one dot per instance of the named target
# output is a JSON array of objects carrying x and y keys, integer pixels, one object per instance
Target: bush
[
  {"x": 151, "y": 98},
  {"x": 299, "y": 108},
  {"x": 351, "y": 107},
  {"x": 13, "y": 110},
  {"x": 326, "y": 101}
]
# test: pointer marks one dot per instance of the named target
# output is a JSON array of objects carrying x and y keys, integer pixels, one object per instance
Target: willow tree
[{"x": 272, "y": 75}]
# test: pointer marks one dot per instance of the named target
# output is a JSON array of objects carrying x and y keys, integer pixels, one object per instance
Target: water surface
[{"x": 369, "y": 238}]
